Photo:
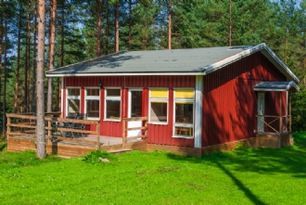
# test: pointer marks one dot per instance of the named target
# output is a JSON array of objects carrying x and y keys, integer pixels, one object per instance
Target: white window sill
[
  {"x": 112, "y": 120},
  {"x": 183, "y": 137},
  {"x": 157, "y": 123},
  {"x": 94, "y": 119}
]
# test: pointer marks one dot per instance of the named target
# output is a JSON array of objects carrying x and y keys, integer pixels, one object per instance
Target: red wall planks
[
  {"x": 230, "y": 104},
  {"x": 157, "y": 134}
]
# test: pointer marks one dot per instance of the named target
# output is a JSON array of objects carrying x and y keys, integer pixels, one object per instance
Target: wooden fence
[
  {"x": 143, "y": 129},
  {"x": 57, "y": 129},
  {"x": 276, "y": 124}
]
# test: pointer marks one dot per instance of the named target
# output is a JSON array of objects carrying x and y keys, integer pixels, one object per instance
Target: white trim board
[
  {"x": 198, "y": 119},
  {"x": 125, "y": 74}
]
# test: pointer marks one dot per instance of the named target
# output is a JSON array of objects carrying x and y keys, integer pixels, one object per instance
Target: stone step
[{"x": 119, "y": 151}]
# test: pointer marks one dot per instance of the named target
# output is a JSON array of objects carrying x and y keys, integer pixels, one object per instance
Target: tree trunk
[
  {"x": 230, "y": 24},
  {"x": 169, "y": 24},
  {"x": 51, "y": 52},
  {"x": 27, "y": 63},
  {"x": 99, "y": 28},
  {"x": 62, "y": 50},
  {"x": 4, "y": 79},
  {"x": 130, "y": 25},
  {"x": 117, "y": 27},
  {"x": 33, "y": 99},
  {"x": 1, "y": 52},
  {"x": 40, "y": 127},
  {"x": 16, "y": 93},
  {"x": 107, "y": 27},
  {"x": 62, "y": 34}
]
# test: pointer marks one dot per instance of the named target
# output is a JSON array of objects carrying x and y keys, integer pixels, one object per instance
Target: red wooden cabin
[{"x": 201, "y": 98}]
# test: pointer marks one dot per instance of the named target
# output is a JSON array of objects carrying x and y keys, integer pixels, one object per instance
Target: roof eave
[{"x": 124, "y": 74}]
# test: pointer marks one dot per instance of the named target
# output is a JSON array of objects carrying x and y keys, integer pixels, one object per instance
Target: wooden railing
[
  {"x": 57, "y": 129},
  {"x": 275, "y": 124},
  {"x": 143, "y": 128}
]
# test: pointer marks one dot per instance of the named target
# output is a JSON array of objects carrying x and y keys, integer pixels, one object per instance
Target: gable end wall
[{"x": 229, "y": 102}]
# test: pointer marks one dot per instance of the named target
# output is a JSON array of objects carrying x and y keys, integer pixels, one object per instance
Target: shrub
[{"x": 96, "y": 156}]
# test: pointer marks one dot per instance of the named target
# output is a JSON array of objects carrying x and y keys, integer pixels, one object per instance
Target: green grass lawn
[{"x": 244, "y": 176}]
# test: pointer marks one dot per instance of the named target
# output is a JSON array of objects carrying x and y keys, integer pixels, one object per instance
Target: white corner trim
[
  {"x": 62, "y": 97},
  {"x": 198, "y": 112}
]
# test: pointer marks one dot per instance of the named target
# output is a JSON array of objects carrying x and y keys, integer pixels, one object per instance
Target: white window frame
[
  {"x": 72, "y": 98},
  {"x": 187, "y": 101},
  {"x": 112, "y": 98},
  {"x": 92, "y": 98},
  {"x": 163, "y": 100}
]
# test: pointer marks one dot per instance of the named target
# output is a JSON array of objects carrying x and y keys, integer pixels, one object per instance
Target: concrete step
[{"x": 119, "y": 151}]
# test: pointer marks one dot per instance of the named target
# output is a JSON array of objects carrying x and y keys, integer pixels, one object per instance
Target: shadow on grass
[
  {"x": 22, "y": 159},
  {"x": 290, "y": 160},
  {"x": 248, "y": 193},
  {"x": 218, "y": 159},
  {"x": 2, "y": 146}
]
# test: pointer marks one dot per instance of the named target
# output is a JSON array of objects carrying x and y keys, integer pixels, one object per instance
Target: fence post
[
  {"x": 145, "y": 124},
  {"x": 98, "y": 135},
  {"x": 49, "y": 127},
  {"x": 124, "y": 133},
  {"x": 8, "y": 126},
  {"x": 280, "y": 114},
  {"x": 289, "y": 112}
]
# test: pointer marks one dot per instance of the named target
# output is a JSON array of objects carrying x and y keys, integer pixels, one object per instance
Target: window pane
[
  {"x": 73, "y": 106},
  {"x": 73, "y": 91},
  {"x": 158, "y": 112},
  {"x": 136, "y": 103},
  {"x": 92, "y": 92},
  {"x": 184, "y": 113},
  {"x": 92, "y": 108},
  {"x": 113, "y": 92},
  {"x": 112, "y": 109},
  {"x": 184, "y": 131}
]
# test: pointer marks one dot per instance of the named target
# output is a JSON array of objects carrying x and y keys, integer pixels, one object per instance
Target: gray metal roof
[
  {"x": 176, "y": 60},
  {"x": 276, "y": 86},
  {"x": 196, "y": 61}
]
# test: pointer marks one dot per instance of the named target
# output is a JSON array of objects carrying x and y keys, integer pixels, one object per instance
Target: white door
[
  {"x": 260, "y": 112},
  {"x": 135, "y": 111}
]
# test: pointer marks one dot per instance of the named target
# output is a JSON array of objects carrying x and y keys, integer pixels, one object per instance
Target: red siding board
[
  {"x": 230, "y": 104},
  {"x": 157, "y": 134}
]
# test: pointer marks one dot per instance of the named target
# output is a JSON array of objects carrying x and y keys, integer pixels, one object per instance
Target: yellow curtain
[
  {"x": 184, "y": 93},
  {"x": 159, "y": 93}
]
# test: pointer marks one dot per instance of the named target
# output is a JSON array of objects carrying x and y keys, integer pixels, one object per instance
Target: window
[
  {"x": 92, "y": 103},
  {"x": 158, "y": 112},
  {"x": 73, "y": 101},
  {"x": 135, "y": 108},
  {"x": 112, "y": 104},
  {"x": 183, "y": 113}
]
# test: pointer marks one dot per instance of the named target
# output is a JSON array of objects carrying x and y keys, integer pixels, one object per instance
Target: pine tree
[
  {"x": 51, "y": 52},
  {"x": 40, "y": 127}
]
